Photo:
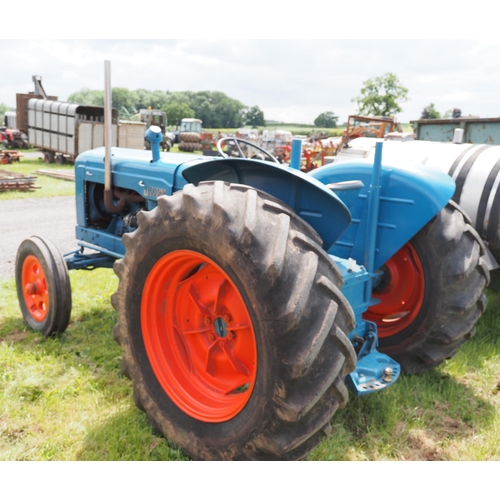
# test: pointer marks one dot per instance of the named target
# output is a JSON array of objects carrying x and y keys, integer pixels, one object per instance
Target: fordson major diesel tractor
[{"x": 252, "y": 296}]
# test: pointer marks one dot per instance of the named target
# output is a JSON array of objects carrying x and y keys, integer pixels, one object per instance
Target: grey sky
[{"x": 290, "y": 80}]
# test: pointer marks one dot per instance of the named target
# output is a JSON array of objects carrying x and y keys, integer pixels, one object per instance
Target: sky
[{"x": 291, "y": 79}]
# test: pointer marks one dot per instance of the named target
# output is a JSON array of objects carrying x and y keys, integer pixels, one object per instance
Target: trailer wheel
[
  {"x": 232, "y": 325},
  {"x": 431, "y": 293},
  {"x": 60, "y": 159},
  {"x": 43, "y": 286},
  {"x": 49, "y": 157}
]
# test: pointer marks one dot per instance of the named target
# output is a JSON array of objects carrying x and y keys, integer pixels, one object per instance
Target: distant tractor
[
  {"x": 13, "y": 138},
  {"x": 252, "y": 295},
  {"x": 189, "y": 135},
  {"x": 158, "y": 118}
]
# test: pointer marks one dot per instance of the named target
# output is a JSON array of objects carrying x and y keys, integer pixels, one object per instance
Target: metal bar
[
  {"x": 296, "y": 154},
  {"x": 100, "y": 249},
  {"x": 107, "y": 125},
  {"x": 373, "y": 210}
]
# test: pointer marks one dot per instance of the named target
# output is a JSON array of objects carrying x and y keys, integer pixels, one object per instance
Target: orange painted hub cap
[
  {"x": 35, "y": 290},
  {"x": 199, "y": 336},
  {"x": 401, "y": 293}
]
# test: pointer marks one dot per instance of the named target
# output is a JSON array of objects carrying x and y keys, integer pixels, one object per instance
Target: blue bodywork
[
  {"x": 387, "y": 208},
  {"x": 134, "y": 170},
  {"x": 409, "y": 198}
]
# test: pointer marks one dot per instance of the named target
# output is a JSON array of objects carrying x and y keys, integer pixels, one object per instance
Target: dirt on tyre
[
  {"x": 232, "y": 325},
  {"x": 431, "y": 293},
  {"x": 43, "y": 286}
]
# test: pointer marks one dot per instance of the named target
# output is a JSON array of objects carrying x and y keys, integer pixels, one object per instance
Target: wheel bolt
[
  {"x": 226, "y": 318},
  {"x": 230, "y": 335},
  {"x": 208, "y": 320},
  {"x": 388, "y": 374},
  {"x": 211, "y": 337},
  {"x": 30, "y": 288},
  {"x": 221, "y": 343}
]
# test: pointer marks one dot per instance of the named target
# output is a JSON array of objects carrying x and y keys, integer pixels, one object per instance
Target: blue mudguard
[
  {"x": 410, "y": 197},
  {"x": 310, "y": 199}
]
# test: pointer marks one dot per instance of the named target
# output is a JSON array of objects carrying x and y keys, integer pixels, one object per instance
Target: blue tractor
[{"x": 252, "y": 296}]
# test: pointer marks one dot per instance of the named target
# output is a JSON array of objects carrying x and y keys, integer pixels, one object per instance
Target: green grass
[
  {"x": 66, "y": 399},
  {"x": 48, "y": 186}
]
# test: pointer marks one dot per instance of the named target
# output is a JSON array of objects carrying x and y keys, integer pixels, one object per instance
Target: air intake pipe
[{"x": 108, "y": 123}]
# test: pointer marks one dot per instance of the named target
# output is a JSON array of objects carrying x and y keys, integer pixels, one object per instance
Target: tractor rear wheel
[
  {"x": 232, "y": 325},
  {"x": 189, "y": 137},
  {"x": 431, "y": 293},
  {"x": 186, "y": 146},
  {"x": 43, "y": 286}
]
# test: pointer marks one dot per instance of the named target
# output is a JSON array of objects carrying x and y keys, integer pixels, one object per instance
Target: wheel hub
[
  {"x": 400, "y": 289},
  {"x": 220, "y": 327},
  {"x": 199, "y": 336},
  {"x": 36, "y": 293}
]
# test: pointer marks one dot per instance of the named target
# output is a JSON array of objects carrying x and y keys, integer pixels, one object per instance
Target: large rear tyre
[
  {"x": 43, "y": 286},
  {"x": 232, "y": 325},
  {"x": 186, "y": 146},
  {"x": 431, "y": 293},
  {"x": 189, "y": 137}
]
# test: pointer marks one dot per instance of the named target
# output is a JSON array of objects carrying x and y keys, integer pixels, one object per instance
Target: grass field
[
  {"x": 66, "y": 399},
  {"x": 47, "y": 186}
]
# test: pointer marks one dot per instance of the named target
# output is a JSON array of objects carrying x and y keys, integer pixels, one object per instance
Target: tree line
[
  {"x": 379, "y": 96},
  {"x": 215, "y": 109}
]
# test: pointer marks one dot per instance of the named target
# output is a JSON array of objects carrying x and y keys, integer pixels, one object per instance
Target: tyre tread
[{"x": 310, "y": 385}]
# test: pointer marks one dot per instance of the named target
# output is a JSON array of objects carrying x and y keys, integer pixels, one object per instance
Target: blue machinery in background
[{"x": 359, "y": 239}]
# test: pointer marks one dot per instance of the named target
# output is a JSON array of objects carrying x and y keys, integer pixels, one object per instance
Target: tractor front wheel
[
  {"x": 232, "y": 325},
  {"x": 431, "y": 293},
  {"x": 43, "y": 286}
]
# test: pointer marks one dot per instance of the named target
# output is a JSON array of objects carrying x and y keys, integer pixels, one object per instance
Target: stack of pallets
[{"x": 14, "y": 181}]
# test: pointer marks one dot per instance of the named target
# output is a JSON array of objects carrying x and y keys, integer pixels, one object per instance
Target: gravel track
[{"x": 52, "y": 218}]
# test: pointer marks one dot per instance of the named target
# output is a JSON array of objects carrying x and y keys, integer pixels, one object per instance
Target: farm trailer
[{"x": 63, "y": 130}]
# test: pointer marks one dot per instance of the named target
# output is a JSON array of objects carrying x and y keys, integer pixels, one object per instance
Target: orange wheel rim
[
  {"x": 401, "y": 293},
  {"x": 35, "y": 289},
  {"x": 199, "y": 336}
]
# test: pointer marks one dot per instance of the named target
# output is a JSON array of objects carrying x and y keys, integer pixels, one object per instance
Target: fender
[
  {"x": 306, "y": 196},
  {"x": 411, "y": 195}
]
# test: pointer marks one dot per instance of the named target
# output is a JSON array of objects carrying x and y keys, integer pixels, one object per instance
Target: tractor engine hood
[{"x": 315, "y": 203}]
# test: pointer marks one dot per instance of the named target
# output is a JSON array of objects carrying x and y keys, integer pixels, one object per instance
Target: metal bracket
[
  {"x": 88, "y": 262},
  {"x": 374, "y": 370}
]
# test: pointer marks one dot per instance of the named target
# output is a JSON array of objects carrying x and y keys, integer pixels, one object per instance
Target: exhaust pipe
[{"x": 108, "y": 123}]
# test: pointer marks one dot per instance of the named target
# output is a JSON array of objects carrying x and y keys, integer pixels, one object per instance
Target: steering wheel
[{"x": 236, "y": 141}]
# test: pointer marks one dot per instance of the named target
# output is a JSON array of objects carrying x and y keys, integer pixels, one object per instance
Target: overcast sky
[{"x": 291, "y": 80}]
